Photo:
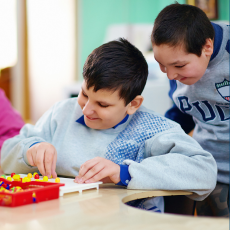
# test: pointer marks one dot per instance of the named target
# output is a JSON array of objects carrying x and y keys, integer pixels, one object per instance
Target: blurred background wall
[{"x": 52, "y": 39}]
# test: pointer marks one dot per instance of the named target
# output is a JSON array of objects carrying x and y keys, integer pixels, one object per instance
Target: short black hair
[
  {"x": 117, "y": 65},
  {"x": 181, "y": 24}
]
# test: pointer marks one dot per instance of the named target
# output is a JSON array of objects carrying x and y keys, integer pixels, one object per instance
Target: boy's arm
[
  {"x": 185, "y": 120},
  {"x": 174, "y": 161},
  {"x": 13, "y": 153},
  {"x": 176, "y": 115}
]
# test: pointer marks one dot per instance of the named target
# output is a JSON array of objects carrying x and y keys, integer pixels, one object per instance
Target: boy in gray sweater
[
  {"x": 106, "y": 134},
  {"x": 195, "y": 55}
]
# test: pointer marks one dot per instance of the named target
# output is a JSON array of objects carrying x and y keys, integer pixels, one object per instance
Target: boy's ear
[
  {"x": 208, "y": 47},
  {"x": 134, "y": 105}
]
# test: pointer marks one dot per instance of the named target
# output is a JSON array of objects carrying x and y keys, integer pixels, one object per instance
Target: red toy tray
[{"x": 33, "y": 192}]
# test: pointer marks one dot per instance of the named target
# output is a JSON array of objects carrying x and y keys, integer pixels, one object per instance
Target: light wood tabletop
[{"x": 102, "y": 209}]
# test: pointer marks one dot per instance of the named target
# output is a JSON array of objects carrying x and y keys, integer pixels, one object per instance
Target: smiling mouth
[
  {"x": 183, "y": 78},
  {"x": 91, "y": 118}
]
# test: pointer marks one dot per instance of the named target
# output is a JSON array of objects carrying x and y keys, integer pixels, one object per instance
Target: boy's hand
[
  {"x": 44, "y": 156},
  {"x": 98, "y": 169}
]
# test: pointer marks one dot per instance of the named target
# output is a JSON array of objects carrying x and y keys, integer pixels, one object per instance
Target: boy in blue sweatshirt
[
  {"x": 195, "y": 55},
  {"x": 107, "y": 135}
]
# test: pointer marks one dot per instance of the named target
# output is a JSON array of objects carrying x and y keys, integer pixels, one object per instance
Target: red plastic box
[{"x": 33, "y": 192}]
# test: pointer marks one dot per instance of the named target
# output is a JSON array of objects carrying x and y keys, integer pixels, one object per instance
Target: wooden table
[{"x": 102, "y": 209}]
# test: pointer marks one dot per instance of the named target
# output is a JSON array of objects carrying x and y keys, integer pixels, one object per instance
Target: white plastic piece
[{"x": 70, "y": 185}]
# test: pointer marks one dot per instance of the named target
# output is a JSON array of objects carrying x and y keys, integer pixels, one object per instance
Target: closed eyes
[
  {"x": 180, "y": 66},
  {"x": 103, "y": 106}
]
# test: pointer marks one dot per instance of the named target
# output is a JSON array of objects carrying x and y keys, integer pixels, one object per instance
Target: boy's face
[
  {"x": 179, "y": 65},
  {"x": 102, "y": 109}
]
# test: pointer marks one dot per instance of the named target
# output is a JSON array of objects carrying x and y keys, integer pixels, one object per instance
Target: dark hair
[
  {"x": 117, "y": 65},
  {"x": 181, "y": 24}
]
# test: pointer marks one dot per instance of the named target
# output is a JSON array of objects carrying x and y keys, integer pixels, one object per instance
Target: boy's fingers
[
  {"x": 92, "y": 172},
  {"x": 99, "y": 176},
  {"x": 107, "y": 174},
  {"x": 40, "y": 161},
  {"x": 88, "y": 165},
  {"x": 48, "y": 161},
  {"x": 77, "y": 178},
  {"x": 53, "y": 168}
]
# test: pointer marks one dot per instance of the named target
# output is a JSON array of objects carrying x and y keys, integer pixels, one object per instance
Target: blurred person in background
[{"x": 10, "y": 120}]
